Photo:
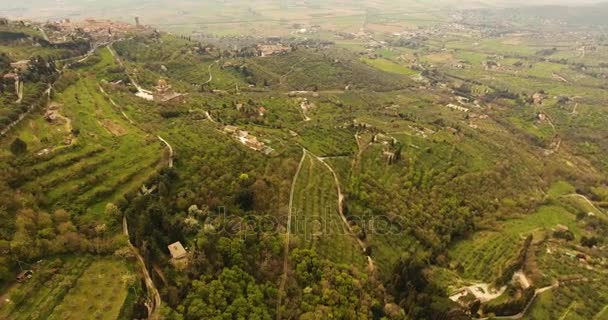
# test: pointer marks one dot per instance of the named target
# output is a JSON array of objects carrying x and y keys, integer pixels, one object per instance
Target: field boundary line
[{"x": 287, "y": 234}]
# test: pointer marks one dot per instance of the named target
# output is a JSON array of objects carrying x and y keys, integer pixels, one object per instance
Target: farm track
[
  {"x": 170, "y": 150},
  {"x": 580, "y": 196},
  {"x": 154, "y": 304},
  {"x": 120, "y": 109},
  {"x": 599, "y": 314},
  {"x": 113, "y": 53},
  {"x": 370, "y": 261},
  {"x": 287, "y": 235},
  {"x": 291, "y": 69},
  {"x": 210, "y": 74}
]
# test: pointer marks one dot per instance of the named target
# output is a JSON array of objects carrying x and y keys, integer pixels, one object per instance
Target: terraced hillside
[{"x": 90, "y": 154}]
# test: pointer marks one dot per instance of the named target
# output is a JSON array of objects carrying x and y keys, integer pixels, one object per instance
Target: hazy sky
[{"x": 189, "y": 11}]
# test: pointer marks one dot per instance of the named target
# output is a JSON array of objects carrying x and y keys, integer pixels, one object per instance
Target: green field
[
  {"x": 486, "y": 253},
  {"x": 316, "y": 222},
  {"x": 389, "y": 66},
  {"x": 71, "y": 288},
  {"x": 98, "y": 293}
]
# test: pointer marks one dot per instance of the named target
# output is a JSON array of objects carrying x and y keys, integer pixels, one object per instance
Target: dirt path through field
[
  {"x": 287, "y": 235},
  {"x": 363, "y": 246},
  {"x": 170, "y": 151},
  {"x": 210, "y": 74},
  {"x": 586, "y": 200}
]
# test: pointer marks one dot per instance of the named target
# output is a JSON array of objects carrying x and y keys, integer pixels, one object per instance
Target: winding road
[
  {"x": 209, "y": 117},
  {"x": 116, "y": 105},
  {"x": 210, "y": 74}
]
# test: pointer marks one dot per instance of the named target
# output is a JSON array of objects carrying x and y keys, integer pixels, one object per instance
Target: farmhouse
[
  {"x": 164, "y": 92},
  {"x": 267, "y": 50},
  {"x": 24, "y": 275},
  {"x": 247, "y": 139},
  {"x": 230, "y": 129},
  {"x": 538, "y": 97},
  {"x": 177, "y": 251},
  {"x": 253, "y": 143},
  {"x": 20, "y": 66},
  {"x": 11, "y": 76}
]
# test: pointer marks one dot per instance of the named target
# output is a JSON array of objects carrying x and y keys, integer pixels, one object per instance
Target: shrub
[{"x": 18, "y": 147}]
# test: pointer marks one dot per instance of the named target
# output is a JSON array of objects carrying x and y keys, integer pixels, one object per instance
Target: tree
[
  {"x": 18, "y": 147},
  {"x": 113, "y": 211},
  {"x": 589, "y": 241}
]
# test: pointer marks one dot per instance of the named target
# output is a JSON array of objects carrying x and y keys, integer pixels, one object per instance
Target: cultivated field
[
  {"x": 85, "y": 287},
  {"x": 316, "y": 222}
]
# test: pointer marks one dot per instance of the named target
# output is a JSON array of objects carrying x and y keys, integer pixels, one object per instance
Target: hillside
[{"x": 452, "y": 170}]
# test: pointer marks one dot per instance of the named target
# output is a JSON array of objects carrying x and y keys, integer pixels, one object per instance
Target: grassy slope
[
  {"x": 71, "y": 288},
  {"x": 100, "y": 292},
  {"x": 100, "y": 166},
  {"x": 316, "y": 220},
  {"x": 487, "y": 252}
]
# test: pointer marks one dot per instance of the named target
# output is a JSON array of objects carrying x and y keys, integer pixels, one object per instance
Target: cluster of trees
[
  {"x": 18, "y": 147},
  {"x": 418, "y": 294},
  {"x": 39, "y": 233},
  {"x": 5, "y": 63},
  {"x": 421, "y": 198},
  {"x": 323, "y": 69},
  {"x": 40, "y": 69},
  {"x": 412, "y": 43},
  {"x": 216, "y": 211},
  {"x": 590, "y": 241},
  {"x": 564, "y": 234},
  {"x": 234, "y": 294},
  {"x": 35, "y": 234},
  {"x": 320, "y": 289}
]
